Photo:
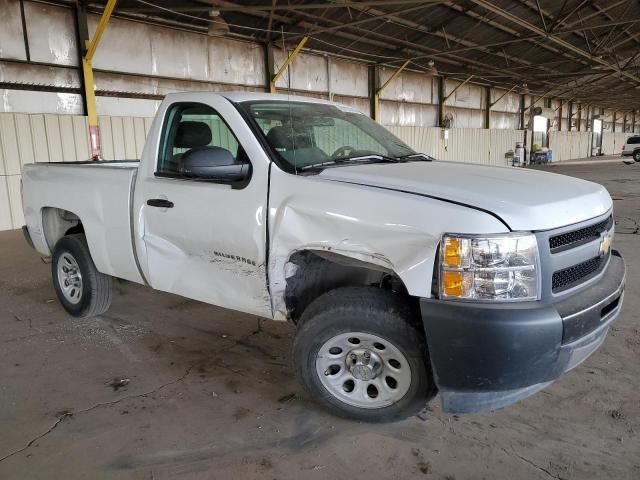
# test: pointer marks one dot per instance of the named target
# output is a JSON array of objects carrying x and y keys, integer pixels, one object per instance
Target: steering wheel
[{"x": 343, "y": 151}]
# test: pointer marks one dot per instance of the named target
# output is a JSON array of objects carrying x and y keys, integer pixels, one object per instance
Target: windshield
[{"x": 305, "y": 135}]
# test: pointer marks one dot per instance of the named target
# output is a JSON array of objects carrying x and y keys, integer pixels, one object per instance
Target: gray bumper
[{"x": 487, "y": 356}]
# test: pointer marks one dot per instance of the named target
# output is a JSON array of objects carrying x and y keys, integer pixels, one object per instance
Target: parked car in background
[
  {"x": 404, "y": 276},
  {"x": 631, "y": 148}
]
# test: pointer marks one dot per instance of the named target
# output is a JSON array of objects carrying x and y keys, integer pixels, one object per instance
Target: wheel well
[
  {"x": 317, "y": 272},
  {"x": 57, "y": 223}
]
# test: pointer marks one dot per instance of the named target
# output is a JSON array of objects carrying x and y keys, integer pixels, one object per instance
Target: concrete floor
[{"x": 210, "y": 393}]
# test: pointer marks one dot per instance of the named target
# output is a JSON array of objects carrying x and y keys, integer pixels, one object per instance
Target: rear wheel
[
  {"x": 636, "y": 155},
  {"x": 359, "y": 354},
  {"x": 82, "y": 290}
]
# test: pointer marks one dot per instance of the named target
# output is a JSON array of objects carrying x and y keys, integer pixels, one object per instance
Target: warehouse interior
[
  {"x": 476, "y": 69},
  {"x": 206, "y": 392}
]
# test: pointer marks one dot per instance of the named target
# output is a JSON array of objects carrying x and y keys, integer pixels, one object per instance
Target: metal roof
[{"x": 582, "y": 50}]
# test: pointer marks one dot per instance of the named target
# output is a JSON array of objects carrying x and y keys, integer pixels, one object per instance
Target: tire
[
  {"x": 92, "y": 293},
  {"x": 372, "y": 316},
  {"x": 636, "y": 155}
]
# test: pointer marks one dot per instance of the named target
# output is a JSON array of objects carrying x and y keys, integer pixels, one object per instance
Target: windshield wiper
[
  {"x": 427, "y": 158},
  {"x": 359, "y": 159}
]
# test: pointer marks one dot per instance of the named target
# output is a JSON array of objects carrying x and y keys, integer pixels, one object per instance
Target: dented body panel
[{"x": 393, "y": 230}]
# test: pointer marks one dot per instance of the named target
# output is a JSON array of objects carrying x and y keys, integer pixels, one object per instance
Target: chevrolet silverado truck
[{"x": 405, "y": 277}]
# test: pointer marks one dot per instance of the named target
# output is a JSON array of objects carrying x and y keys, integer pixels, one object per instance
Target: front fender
[{"x": 396, "y": 231}]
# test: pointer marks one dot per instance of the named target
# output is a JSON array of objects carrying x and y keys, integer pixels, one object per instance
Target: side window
[
  {"x": 633, "y": 140},
  {"x": 192, "y": 126}
]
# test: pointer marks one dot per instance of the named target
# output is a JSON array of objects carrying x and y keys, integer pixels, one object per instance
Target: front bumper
[{"x": 487, "y": 356}]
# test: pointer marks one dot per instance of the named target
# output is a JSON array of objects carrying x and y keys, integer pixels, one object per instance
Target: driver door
[{"x": 202, "y": 239}]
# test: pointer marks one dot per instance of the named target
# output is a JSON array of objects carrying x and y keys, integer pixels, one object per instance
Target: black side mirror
[{"x": 213, "y": 163}]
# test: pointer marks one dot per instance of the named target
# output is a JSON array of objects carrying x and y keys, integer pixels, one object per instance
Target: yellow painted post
[
  {"x": 290, "y": 58},
  {"x": 376, "y": 96},
  {"x": 89, "y": 85}
]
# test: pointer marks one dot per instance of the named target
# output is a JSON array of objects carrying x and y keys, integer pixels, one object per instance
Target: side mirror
[{"x": 213, "y": 163}]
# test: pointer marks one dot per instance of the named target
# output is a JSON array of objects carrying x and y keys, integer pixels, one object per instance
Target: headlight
[{"x": 489, "y": 268}]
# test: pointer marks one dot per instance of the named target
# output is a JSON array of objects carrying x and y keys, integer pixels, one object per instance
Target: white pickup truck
[{"x": 405, "y": 276}]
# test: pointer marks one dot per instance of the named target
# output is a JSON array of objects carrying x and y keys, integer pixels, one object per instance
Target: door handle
[{"x": 159, "y": 202}]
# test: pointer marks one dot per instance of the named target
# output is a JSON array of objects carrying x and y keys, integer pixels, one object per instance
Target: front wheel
[
  {"x": 359, "y": 353},
  {"x": 636, "y": 155},
  {"x": 82, "y": 290}
]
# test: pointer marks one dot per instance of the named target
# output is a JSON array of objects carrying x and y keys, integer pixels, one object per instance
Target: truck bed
[{"x": 99, "y": 194}]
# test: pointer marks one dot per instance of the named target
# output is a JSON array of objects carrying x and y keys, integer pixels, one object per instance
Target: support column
[
  {"x": 579, "y": 122},
  {"x": 441, "y": 89},
  {"x": 290, "y": 58},
  {"x": 487, "y": 108},
  {"x": 374, "y": 84},
  {"x": 89, "y": 84},
  {"x": 560, "y": 117},
  {"x": 269, "y": 65},
  {"x": 376, "y": 96},
  {"x": 613, "y": 127},
  {"x": 82, "y": 37},
  {"x": 522, "y": 108}
]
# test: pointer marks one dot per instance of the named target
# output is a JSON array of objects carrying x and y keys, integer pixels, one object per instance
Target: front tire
[
  {"x": 360, "y": 354},
  {"x": 82, "y": 290},
  {"x": 636, "y": 155}
]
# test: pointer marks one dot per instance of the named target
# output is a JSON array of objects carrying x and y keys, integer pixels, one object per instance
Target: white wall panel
[
  {"x": 569, "y": 145},
  {"x": 612, "y": 142},
  {"x": 39, "y": 132},
  {"x": 408, "y": 87},
  {"x": 51, "y": 33},
  {"x": 467, "y": 96},
  {"x": 9, "y": 145},
  {"x": 235, "y": 62},
  {"x": 466, "y": 118},
  {"x": 349, "y": 78},
  {"x": 39, "y": 102},
  {"x": 505, "y": 120},
  {"x": 15, "y": 200},
  {"x": 469, "y": 145},
  {"x": 114, "y": 106},
  {"x": 39, "y": 74},
  {"x": 408, "y": 114},
  {"x": 308, "y": 72},
  {"x": 125, "y": 46},
  {"x": 11, "y": 37},
  {"x": 421, "y": 139},
  {"x": 360, "y": 104},
  {"x": 500, "y": 142},
  {"x": 5, "y": 207},
  {"x": 25, "y": 140},
  {"x": 510, "y": 103}
]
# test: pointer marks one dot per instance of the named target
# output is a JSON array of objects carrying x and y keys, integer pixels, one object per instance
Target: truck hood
[{"x": 523, "y": 199}]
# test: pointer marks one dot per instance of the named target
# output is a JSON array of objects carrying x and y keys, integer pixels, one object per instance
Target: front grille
[
  {"x": 572, "y": 239},
  {"x": 569, "y": 277}
]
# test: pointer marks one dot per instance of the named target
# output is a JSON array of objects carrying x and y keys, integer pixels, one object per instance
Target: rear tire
[
  {"x": 359, "y": 353},
  {"x": 636, "y": 155},
  {"x": 82, "y": 290}
]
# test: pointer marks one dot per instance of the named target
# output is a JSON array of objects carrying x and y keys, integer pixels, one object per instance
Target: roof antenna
[{"x": 293, "y": 137}]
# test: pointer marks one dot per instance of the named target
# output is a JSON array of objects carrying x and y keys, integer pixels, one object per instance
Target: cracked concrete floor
[{"x": 210, "y": 393}]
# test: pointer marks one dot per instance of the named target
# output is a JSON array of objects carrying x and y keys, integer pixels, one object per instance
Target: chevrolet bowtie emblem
[{"x": 605, "y": 244}]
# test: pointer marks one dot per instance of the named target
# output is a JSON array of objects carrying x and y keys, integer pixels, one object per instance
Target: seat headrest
[
  {"x": 192, "y": 135},
  {"x": 286, "y": 138}
]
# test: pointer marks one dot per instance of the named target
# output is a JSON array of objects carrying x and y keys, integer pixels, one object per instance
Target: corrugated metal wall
[
  {"x": 28, "y": 138},
  {"x": 612, "y": 142},
  {"x": 569, "y": 145},
  {"x": 474, "y": 145}
]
